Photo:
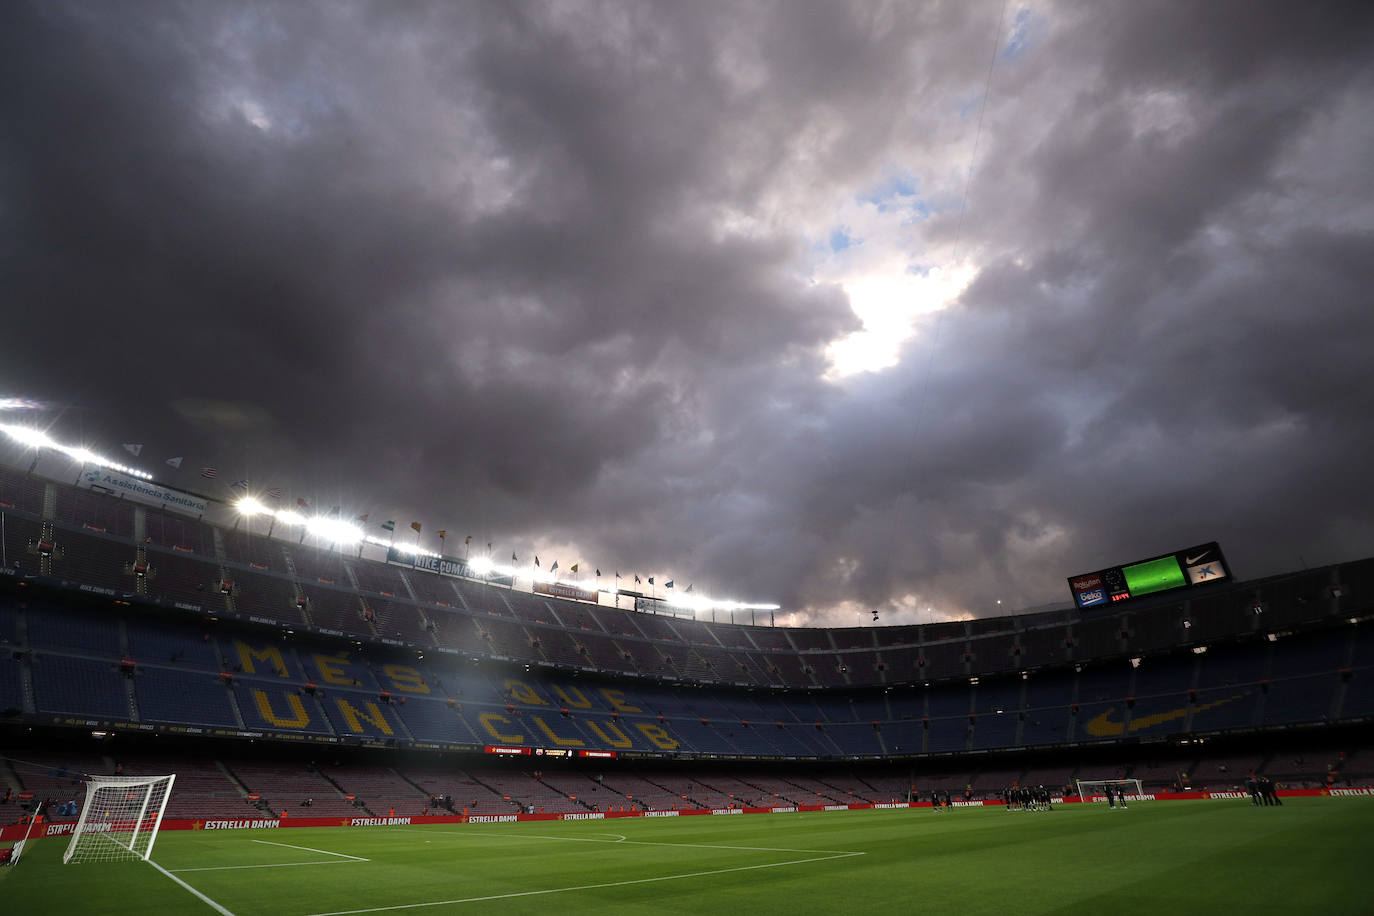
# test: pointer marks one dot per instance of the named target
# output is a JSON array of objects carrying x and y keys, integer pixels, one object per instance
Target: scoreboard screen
[{"x": 1181, "y": 569}]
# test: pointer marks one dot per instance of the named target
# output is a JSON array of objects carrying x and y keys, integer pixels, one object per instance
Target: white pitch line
[
  {"x": 219, "y": 909},
  {"x": 588, "y": 887},
  {"x": 326, "y": 852},
  {"x": 342, "y": 855},
  {"x": 268, "y": 865},
  {"x": 584, "y": 839}
]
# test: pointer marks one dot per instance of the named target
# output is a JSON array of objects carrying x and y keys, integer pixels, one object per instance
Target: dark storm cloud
[{"x": 542, "y": 271}]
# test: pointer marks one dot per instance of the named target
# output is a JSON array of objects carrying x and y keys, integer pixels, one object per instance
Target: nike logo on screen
[{"x": 1191, "y": 560}]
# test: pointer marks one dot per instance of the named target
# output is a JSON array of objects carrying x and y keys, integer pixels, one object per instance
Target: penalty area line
[
  {"x": 587, "y": 887},
  {"x": 268, "y": 865},
  {"x": 343, "y": 859},
  {"x": 326, "y": 852},
  {"x": 215, "y": 906}
]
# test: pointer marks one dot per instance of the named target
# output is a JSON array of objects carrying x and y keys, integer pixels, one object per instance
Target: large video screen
[{"x": 1182, "y": 569}]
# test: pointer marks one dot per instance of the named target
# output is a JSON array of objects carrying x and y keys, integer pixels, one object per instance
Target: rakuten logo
[{"x": 1083, "y": 583}]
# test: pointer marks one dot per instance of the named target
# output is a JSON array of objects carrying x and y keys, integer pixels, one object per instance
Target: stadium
[
  {"x": 828, "y": 456},
  {"x": 286, "y": 684}
]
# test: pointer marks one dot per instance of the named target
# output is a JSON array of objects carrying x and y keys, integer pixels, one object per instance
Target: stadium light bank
[
  {"x": 38, "y": 440},
  {"x": 340, "y": 532}
]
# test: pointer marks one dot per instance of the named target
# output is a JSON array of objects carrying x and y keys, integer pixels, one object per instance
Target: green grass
[{"x": 1178, "y": 857}]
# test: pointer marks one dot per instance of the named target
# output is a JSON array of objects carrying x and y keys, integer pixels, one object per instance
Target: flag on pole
[
  {"x": 554, "y": 566},
  {"x": 363, "y": 518},
  {"x": 174, "y": 462},
  {"x": 536, "y": 559},
  {"x": 598, "y": 573},
  {"x": 573, "y": 568},
  {"x": 467, "y": 540},
  {"x": 651, "y": 580},
  {"x": 638, "y": 581},
  {"x": 688, "y": 588},
  {"x": 208, "y": 473},
  {"x": 443, "y": 533},
  {"x": 389, "y": 525},
  {"x": 133, "y": 448},
  {"x": 239, "y": 485},
  {"x": 617, "y": 574},
  {"x": 415, "y": 526},
  {"x": 300, "y": 501},
  {"x": 668, "y": 584},
  {"x": 274, "y": 492},
  {"x": 514, "y": 558}
]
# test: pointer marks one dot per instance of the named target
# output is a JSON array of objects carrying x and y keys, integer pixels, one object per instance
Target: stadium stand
[{"x": 166, "y": 625}]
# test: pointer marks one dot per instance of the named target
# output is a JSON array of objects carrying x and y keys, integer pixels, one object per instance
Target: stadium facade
[{"x": 122, "y": 619}]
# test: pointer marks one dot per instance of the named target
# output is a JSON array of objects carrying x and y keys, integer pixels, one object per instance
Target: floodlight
[
  {"x": 289, "y": 517},
  {"x": 481, "y": 565},
  {"x": 250, "y": 506},
  {"x": 27, "y": 435},
  {"x": 84, "y": 455},
  {"x": 333, "y": 529}
]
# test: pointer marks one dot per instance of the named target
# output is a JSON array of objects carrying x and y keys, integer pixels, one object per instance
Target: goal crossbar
[{"x": 1091, "y": 789}]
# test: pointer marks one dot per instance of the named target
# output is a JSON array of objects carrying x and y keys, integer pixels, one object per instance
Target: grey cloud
[{"x": 542, "y": 270}]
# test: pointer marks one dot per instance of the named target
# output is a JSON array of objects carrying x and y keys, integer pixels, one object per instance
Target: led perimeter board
[{"x": 1181, "y": 569}]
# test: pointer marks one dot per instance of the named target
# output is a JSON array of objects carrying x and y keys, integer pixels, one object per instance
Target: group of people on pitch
[
  {"x": 1262, "y": 791},
  {"x": 1114, "y": 792},
  {"x": 1027, "y": 798}
]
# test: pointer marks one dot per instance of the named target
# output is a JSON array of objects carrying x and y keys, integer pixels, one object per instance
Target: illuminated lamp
[{"x": 384, "y": 696}]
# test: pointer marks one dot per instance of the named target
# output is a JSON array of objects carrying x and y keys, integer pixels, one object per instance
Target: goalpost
[
  {"x": 120, "y": 818},
  {"x": 1091, "y": 789}
]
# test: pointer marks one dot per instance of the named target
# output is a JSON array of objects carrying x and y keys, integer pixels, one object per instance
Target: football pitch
[{"x": 1308, "y": 856}]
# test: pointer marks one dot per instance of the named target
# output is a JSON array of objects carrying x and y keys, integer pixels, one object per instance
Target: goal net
[
  {"x": 1091, "y": 790},
  {"x": 120, "y": 818}
]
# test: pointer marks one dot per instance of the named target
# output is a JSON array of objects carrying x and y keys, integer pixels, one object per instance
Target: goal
[
  {"x": 1091, "y": 789},
  {"x": 120, "y": 818}
]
